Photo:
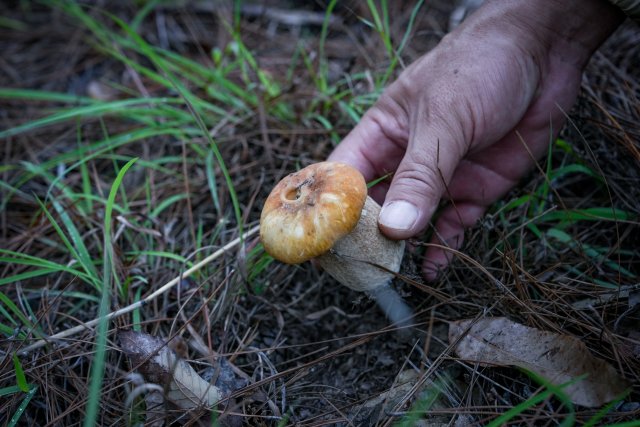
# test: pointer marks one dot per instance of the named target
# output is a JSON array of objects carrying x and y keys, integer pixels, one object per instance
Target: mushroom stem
[
  {"x": 356, "y": 258},
  {"x": 393, "y": 306}
]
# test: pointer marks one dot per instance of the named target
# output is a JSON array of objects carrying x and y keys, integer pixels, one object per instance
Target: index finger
[{"x": 375, "y": 146}]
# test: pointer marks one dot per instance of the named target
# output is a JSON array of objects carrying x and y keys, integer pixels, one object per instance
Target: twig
[
  {"x": 294, "y": 18},
  {"x": 621, "y": 293},
  {"x": 83, "y": 326}
]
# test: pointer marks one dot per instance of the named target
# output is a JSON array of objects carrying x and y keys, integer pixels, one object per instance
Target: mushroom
[{"x": 323, "y": 212}]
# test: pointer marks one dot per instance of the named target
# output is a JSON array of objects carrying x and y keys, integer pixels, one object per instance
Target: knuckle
[
  {"x": 420, "y": 180},
  {"x": 454, "y": 122}
]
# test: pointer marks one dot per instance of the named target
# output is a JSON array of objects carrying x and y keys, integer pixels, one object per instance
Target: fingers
[
  {"x": 377, "y": 143},
  {"x": 449, "y": 232},
  {"x": 433, "y": 153},
  {"x": 423, "y": 152}
]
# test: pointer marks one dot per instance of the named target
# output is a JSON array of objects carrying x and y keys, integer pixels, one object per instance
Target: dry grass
[{"x": 307, "y": 350}]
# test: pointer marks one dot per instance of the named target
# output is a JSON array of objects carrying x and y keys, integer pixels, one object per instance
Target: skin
[{"x": 467, "y": 120}]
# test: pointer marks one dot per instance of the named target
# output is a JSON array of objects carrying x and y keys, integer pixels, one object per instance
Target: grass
[
  {"x": 105, "y": 202},
  {"x": 15, "y": 418},
  {"x": 553, "y": 225},
  {"x": 109, "y": 282}
]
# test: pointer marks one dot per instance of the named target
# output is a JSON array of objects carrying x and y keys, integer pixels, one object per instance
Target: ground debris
[
  {"x": 183, "y": 386},
  {"x": 558, "y": 358},
  {"x": 277, "y": 88},
  {"x": 407, "y": 389}
]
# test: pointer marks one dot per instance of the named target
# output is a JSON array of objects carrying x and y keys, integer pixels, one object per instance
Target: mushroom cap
[{"x": 309, "y": 210}]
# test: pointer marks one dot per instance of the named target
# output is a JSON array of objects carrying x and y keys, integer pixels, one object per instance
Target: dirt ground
[{"x": 291, "y": 345}]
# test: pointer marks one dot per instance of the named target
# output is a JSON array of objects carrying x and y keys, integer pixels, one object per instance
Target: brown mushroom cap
[{"x": 309, "y": 210}]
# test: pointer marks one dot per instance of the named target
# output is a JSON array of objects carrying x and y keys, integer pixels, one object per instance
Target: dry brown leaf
[
  {"x": 558, "y": 358},
  {"x": 159, "y": 364}
]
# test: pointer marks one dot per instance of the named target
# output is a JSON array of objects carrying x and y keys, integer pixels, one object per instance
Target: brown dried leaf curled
[
  {"x": 558, "y": 358},
  {"x": 159, "y": 364}
]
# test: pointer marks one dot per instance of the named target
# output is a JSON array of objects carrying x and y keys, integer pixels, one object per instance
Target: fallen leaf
[
  {"x": 159, "y": 364},
  {"x": 558, "y": 358},
  {"x": 403, "y": 395},
  {"x": 224, "y": 377},
  {"x": 101, "y": 91}
]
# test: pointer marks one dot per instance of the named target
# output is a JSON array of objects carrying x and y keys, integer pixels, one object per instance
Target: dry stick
[{"x": 83, "y": 326}]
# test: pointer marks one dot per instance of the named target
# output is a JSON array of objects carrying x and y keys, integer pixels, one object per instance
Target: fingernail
[{"x": 399, "y": 215}]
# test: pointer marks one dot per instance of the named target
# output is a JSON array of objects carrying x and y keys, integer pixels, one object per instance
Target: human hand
[{"x": 466, "y": 121}]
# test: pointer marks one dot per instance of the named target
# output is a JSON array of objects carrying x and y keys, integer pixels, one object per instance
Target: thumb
[{"x": 433, "y": 153}]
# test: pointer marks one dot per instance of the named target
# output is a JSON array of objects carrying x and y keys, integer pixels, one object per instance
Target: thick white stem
[{"x": 355, "y": 259}]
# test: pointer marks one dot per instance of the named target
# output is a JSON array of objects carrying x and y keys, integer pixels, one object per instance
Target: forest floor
[{"x": 216, "y": 105}]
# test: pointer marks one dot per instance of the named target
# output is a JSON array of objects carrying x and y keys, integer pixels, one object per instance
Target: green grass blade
[
  {"x": 9, "y": 390},
  {"x": 574, "y": 168},
  {"x": 27, "y": 275},
  {"x": 71, "y": 294},
  {"x": 16, "y": 415},
  {"x": 407, "y": 33},
  {"x": 421, "y": 407},
  {"x": 97, "y": 368},
  {"x": 144, "y": 11},
  {"x": 591, "y": 422},
  {"x": 166, "y": 203},
  {"x": 162, "y": 254},
  {"x": 595, "y": 253},
  {"x": 41, "y": 95},
  {"x": 323, "y": 68},
  {"x": 78, "y": 243},
  {"x": 45, "y": 265},
  {"x": 117, "y": 108},
  {"x": 587, "y": 214},
  {"x": 378, "y": 25},
  {"x": 378, "y": 180},
  {"x": 211, "y": 181},
  {"x": 84, "y": 260},
  {"x": 13, "y": 24},
  {"x": 136, "y": 316},
  {"x": 351, "y": 112},
  {"x": 551, "y": 390},
  {"x": 4, "y": 314},
  {"x": 16, "y": 311},
  {"x": 8, "y": 331},
  {"x": 227, "y": 92},
  {"x": 520, "y": 408},
  {"x": 21, "y": 379},
  {"x": 545, "y": 187}
]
